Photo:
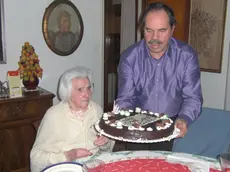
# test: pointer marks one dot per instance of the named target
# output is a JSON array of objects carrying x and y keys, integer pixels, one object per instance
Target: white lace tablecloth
[{"x": 194, "y": 162}]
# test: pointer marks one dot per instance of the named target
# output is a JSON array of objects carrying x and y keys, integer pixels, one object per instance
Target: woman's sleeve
[
  {"x": 46, "y": 150},
  {"x": 109, "y": 146}
]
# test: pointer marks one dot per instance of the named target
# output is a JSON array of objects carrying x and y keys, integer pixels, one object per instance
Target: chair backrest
[{"x": 208, "y": 136}]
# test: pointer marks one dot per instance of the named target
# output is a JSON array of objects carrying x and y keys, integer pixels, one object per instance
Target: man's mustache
[{"x": 155, "y": 42}]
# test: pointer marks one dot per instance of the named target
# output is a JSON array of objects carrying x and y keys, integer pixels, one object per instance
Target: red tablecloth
[{"x": 144, "y": 165}]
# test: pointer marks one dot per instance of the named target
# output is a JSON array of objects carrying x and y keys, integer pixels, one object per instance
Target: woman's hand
[
  {"x": 182, "y": 125},
  {"x": 77, "y": 153},
  {"x": 100, "y": 141}
]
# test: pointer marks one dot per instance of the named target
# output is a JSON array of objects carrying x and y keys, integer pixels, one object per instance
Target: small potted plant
[{"x": 29, "y": 67}]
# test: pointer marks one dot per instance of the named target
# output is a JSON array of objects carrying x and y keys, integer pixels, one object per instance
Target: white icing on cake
[
  {"x": 149, "y": 129},
  {"x": 113, "y": 125},
  {"x": 127, "y": 113},
  {"x": 119, "y": 125},
  {"x": 131, "y": 128},
  {"x": 137, "y": 110},
  {"x": 151, "y": 113},
  {"x": 105, "y": 116},
  {"x": 122, "y": 112},
  {"x": 157, "y": 114},
  {"x": 141, "y": 129},
  {"x": 167, "y": 124},
  {"x": 107, "y": 121}
]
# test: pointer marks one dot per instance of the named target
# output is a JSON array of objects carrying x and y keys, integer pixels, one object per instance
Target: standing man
[{"x": 160, "y": 74}]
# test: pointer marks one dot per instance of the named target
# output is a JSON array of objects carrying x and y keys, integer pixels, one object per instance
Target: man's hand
[
  {"x": 77, "y": 153},
  {"x": 100, "y": 141},
  {"x": 182, "y": 125}
]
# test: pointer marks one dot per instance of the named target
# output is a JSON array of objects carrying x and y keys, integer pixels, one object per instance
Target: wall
[
  {"x": 128, "y": 19},
  {"x": 23, "y": 22},
  {"x": 227, "y": 97},
  {"x": 214, "y": 85},
  {"x": 227, "y": 53}
]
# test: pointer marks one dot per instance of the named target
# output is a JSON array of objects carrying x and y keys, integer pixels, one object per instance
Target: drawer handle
[{"x": 14, "y": 112}]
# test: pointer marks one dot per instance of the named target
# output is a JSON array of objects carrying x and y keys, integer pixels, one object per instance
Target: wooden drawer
[
  {"x": 15, "y": 146},
  {"x": 19, "y": 118},
  {"x": 24, "y": 109}
]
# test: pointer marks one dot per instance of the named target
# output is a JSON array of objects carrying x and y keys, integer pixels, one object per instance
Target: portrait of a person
[
  {"x": 62, "y": 27},
  {"x": 63, "y": 39}
]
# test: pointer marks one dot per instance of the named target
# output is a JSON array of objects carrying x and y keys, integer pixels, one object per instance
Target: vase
[{"x": 31, "y": 85}]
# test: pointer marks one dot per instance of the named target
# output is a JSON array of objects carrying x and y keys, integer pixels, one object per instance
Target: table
[{"x": 139, "y": 160}]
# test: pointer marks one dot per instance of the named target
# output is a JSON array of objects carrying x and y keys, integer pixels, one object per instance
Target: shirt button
[
  {"x": 157, "y": 80},
  {"x": 158, "y": 64},
  {"x": 156, "y": 95}
]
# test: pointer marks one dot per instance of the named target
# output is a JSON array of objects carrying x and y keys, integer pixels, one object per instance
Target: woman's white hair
[{"x": 65, "y": 81}]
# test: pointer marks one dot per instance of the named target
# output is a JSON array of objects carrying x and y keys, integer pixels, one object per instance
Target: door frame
[{"x": 108, "y": 107}]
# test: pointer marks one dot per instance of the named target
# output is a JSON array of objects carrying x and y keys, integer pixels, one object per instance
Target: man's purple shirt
[{"x": 170, "y": 85}]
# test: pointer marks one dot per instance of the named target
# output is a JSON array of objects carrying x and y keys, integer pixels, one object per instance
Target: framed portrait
[
  {"x": 62, "y": 27},
  {"x": 2, "y": 35},
  {"x": 207, "y": 32}
]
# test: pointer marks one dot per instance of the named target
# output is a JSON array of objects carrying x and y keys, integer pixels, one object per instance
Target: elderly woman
[{"x": 67, "y": 129}]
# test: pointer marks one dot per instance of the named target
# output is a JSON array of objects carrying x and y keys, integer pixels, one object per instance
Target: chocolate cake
[{"x": 135, "y": 126}]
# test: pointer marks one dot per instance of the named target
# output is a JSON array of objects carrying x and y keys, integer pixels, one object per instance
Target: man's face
[
  {"x": 157, "y": 32},
  {"x": 81, "y": 93},
  {"x": 64, "y": 24}
]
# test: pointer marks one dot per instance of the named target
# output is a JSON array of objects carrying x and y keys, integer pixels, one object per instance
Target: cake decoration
[{"x": 136, "y": 125}]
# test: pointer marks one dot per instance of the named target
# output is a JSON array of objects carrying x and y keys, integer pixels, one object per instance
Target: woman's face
[
  {"x": 64, "y": 24},
  {"x": 81, "y": 94}
]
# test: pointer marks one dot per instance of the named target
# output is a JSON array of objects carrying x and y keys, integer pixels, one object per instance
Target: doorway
[
  {"x": 111, "y": 51},
  {"x": 119, "y": 33}
]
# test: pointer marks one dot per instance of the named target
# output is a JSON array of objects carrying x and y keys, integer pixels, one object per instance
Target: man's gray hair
[{"x": 65, "y": 81}]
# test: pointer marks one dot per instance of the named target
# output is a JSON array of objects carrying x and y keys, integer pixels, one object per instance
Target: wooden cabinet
[
  {"x": 17, "y": 129},
  {"x": 181, "y": 9}
]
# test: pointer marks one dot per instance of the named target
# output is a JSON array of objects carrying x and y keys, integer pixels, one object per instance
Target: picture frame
[
  {"x": 207, "y": 32},
  {"x": 2, "y": 35},
  {"x": 62, "y": 27}
]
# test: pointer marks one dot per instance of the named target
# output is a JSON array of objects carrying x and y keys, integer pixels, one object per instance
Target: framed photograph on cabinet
[
  {"x": 207, "y": 32},
  {"x": 62, "y": 27},
  {"x": 2, "y": 35}
]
